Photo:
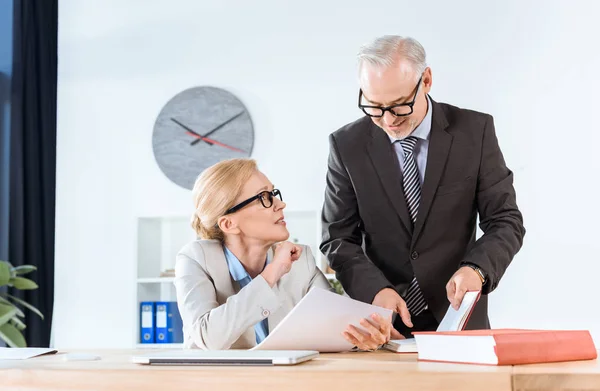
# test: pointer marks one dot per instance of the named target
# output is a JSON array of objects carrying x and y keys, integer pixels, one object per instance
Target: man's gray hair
[{"x": 386, "y": 50}]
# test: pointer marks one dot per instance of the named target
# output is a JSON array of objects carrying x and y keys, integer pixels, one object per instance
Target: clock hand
[
  {"x": 191, "y": 132},
  {"x": 216, "y": 142},
  {"x": 206, "y": 139},
  {"x": 218, "y": 127}
]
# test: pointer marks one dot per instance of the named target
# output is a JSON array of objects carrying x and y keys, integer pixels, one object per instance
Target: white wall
[{"x": 531, "y": 64}]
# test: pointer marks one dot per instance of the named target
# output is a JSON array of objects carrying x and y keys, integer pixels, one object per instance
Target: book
[
  {"x": 506, "y": 346},
  {"x": 408, "y": 345},
  {"x": 454, "y": 320}
]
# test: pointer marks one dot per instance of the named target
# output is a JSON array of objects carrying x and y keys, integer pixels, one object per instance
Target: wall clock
[{"x": 197, "y": 128}]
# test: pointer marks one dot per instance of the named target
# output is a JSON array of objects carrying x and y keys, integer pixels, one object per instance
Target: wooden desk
[
  {"x": 362, "y": 371},
  {"x": 349, "y": 371},
  {"x": 576, "y": 375}
]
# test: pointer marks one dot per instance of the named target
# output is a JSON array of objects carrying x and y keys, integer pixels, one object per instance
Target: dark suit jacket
[{"x": 368, "y": 237}]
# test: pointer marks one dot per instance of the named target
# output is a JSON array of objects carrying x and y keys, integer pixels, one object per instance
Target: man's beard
[{"x": 412, "y": 125}]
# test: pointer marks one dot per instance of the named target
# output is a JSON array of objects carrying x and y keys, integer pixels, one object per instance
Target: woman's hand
[
  {"x": 286, "y": 253},
  {"x": 378, "y": 331}
]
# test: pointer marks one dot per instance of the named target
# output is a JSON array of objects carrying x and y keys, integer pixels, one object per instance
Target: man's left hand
[{"x": 465, "y": 279}]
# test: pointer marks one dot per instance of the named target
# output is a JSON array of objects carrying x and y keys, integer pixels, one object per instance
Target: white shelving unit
[
  {"x": 161, "y": 238},
  {"x": 155, "y": 280},
  {"x": 159, "y": 346}
]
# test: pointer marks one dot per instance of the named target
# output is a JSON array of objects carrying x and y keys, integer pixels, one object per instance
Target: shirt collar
[
  {"x": 236, "y": 269},
  {"x": 424, "y": 129}
]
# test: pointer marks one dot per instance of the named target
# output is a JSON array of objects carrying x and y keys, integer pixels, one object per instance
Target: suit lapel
[
  {"x": 216, "y": 266},
  {"x": 385, "y": 160},
  {"x": 439, "y": 147}
]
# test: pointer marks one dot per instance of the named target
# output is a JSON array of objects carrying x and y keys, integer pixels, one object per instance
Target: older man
[{"x": 405, "y": 184}]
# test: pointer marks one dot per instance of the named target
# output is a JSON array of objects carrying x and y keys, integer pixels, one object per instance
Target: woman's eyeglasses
[{"x": 265, "y": 197}]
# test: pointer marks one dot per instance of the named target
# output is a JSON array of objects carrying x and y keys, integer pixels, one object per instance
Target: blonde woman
[{"x": 242, "y": 278}]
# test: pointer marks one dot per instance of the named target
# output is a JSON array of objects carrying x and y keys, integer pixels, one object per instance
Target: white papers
[
  {"x": 317, "y": 323},
  {"x": 23, "y": 353}
]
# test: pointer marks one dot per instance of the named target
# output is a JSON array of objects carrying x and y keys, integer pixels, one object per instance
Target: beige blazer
[{"x": 218, "y": 315}]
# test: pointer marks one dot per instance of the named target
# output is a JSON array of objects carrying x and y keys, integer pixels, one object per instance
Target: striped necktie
[{"x": 411, "y": 184}]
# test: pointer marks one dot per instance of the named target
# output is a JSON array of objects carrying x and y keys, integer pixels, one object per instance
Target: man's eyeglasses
[
  {"x": 399, "y": 110},
  {"x": 265, "y": 197}
]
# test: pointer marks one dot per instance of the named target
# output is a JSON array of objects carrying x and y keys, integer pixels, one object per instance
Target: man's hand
[
  {"x": 390, "y": 299},
  {"x": 465, "y": 279}
]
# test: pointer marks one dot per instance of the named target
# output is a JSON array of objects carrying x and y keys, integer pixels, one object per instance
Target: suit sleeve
[
  {"x": 212, "y": 326},
  {"x": 342, "y": 236},
  {"x": 317, "y": 278},
  {"x": 500, "y": 218}
]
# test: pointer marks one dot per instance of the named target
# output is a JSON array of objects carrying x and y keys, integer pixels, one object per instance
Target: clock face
[{"x": 197, "y": 128}]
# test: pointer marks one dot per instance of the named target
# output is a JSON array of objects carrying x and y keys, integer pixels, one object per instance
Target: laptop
[{"x": 226, "y": 357}]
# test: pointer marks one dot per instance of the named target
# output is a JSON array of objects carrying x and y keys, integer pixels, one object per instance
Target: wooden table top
[
  {"x": 381, "y": 370},
  {"x": 574, "y": 375}
]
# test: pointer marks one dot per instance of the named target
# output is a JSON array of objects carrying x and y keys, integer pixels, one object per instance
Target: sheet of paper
[
  {"x": 317, "y": 323},
  {"x": 23, "y": 353},
  {"x": 454, "y": 319}
]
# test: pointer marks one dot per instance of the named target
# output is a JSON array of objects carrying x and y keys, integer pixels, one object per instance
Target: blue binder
[
  {"x": 169, "y": 326},
  {"x": 147, "y": 320}
]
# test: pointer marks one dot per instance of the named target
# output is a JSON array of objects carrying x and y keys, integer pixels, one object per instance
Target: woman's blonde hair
[{"x": 215, "y": 191}]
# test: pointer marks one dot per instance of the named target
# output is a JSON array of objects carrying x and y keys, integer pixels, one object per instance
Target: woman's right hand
[{"x": 286, "y": 253}]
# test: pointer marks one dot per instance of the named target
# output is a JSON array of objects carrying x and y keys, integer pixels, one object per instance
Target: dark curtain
[
  {"x": 4, "y": 184},
  {"x": 33, "y": 156},
  {"x": 4, "y": 148}
]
